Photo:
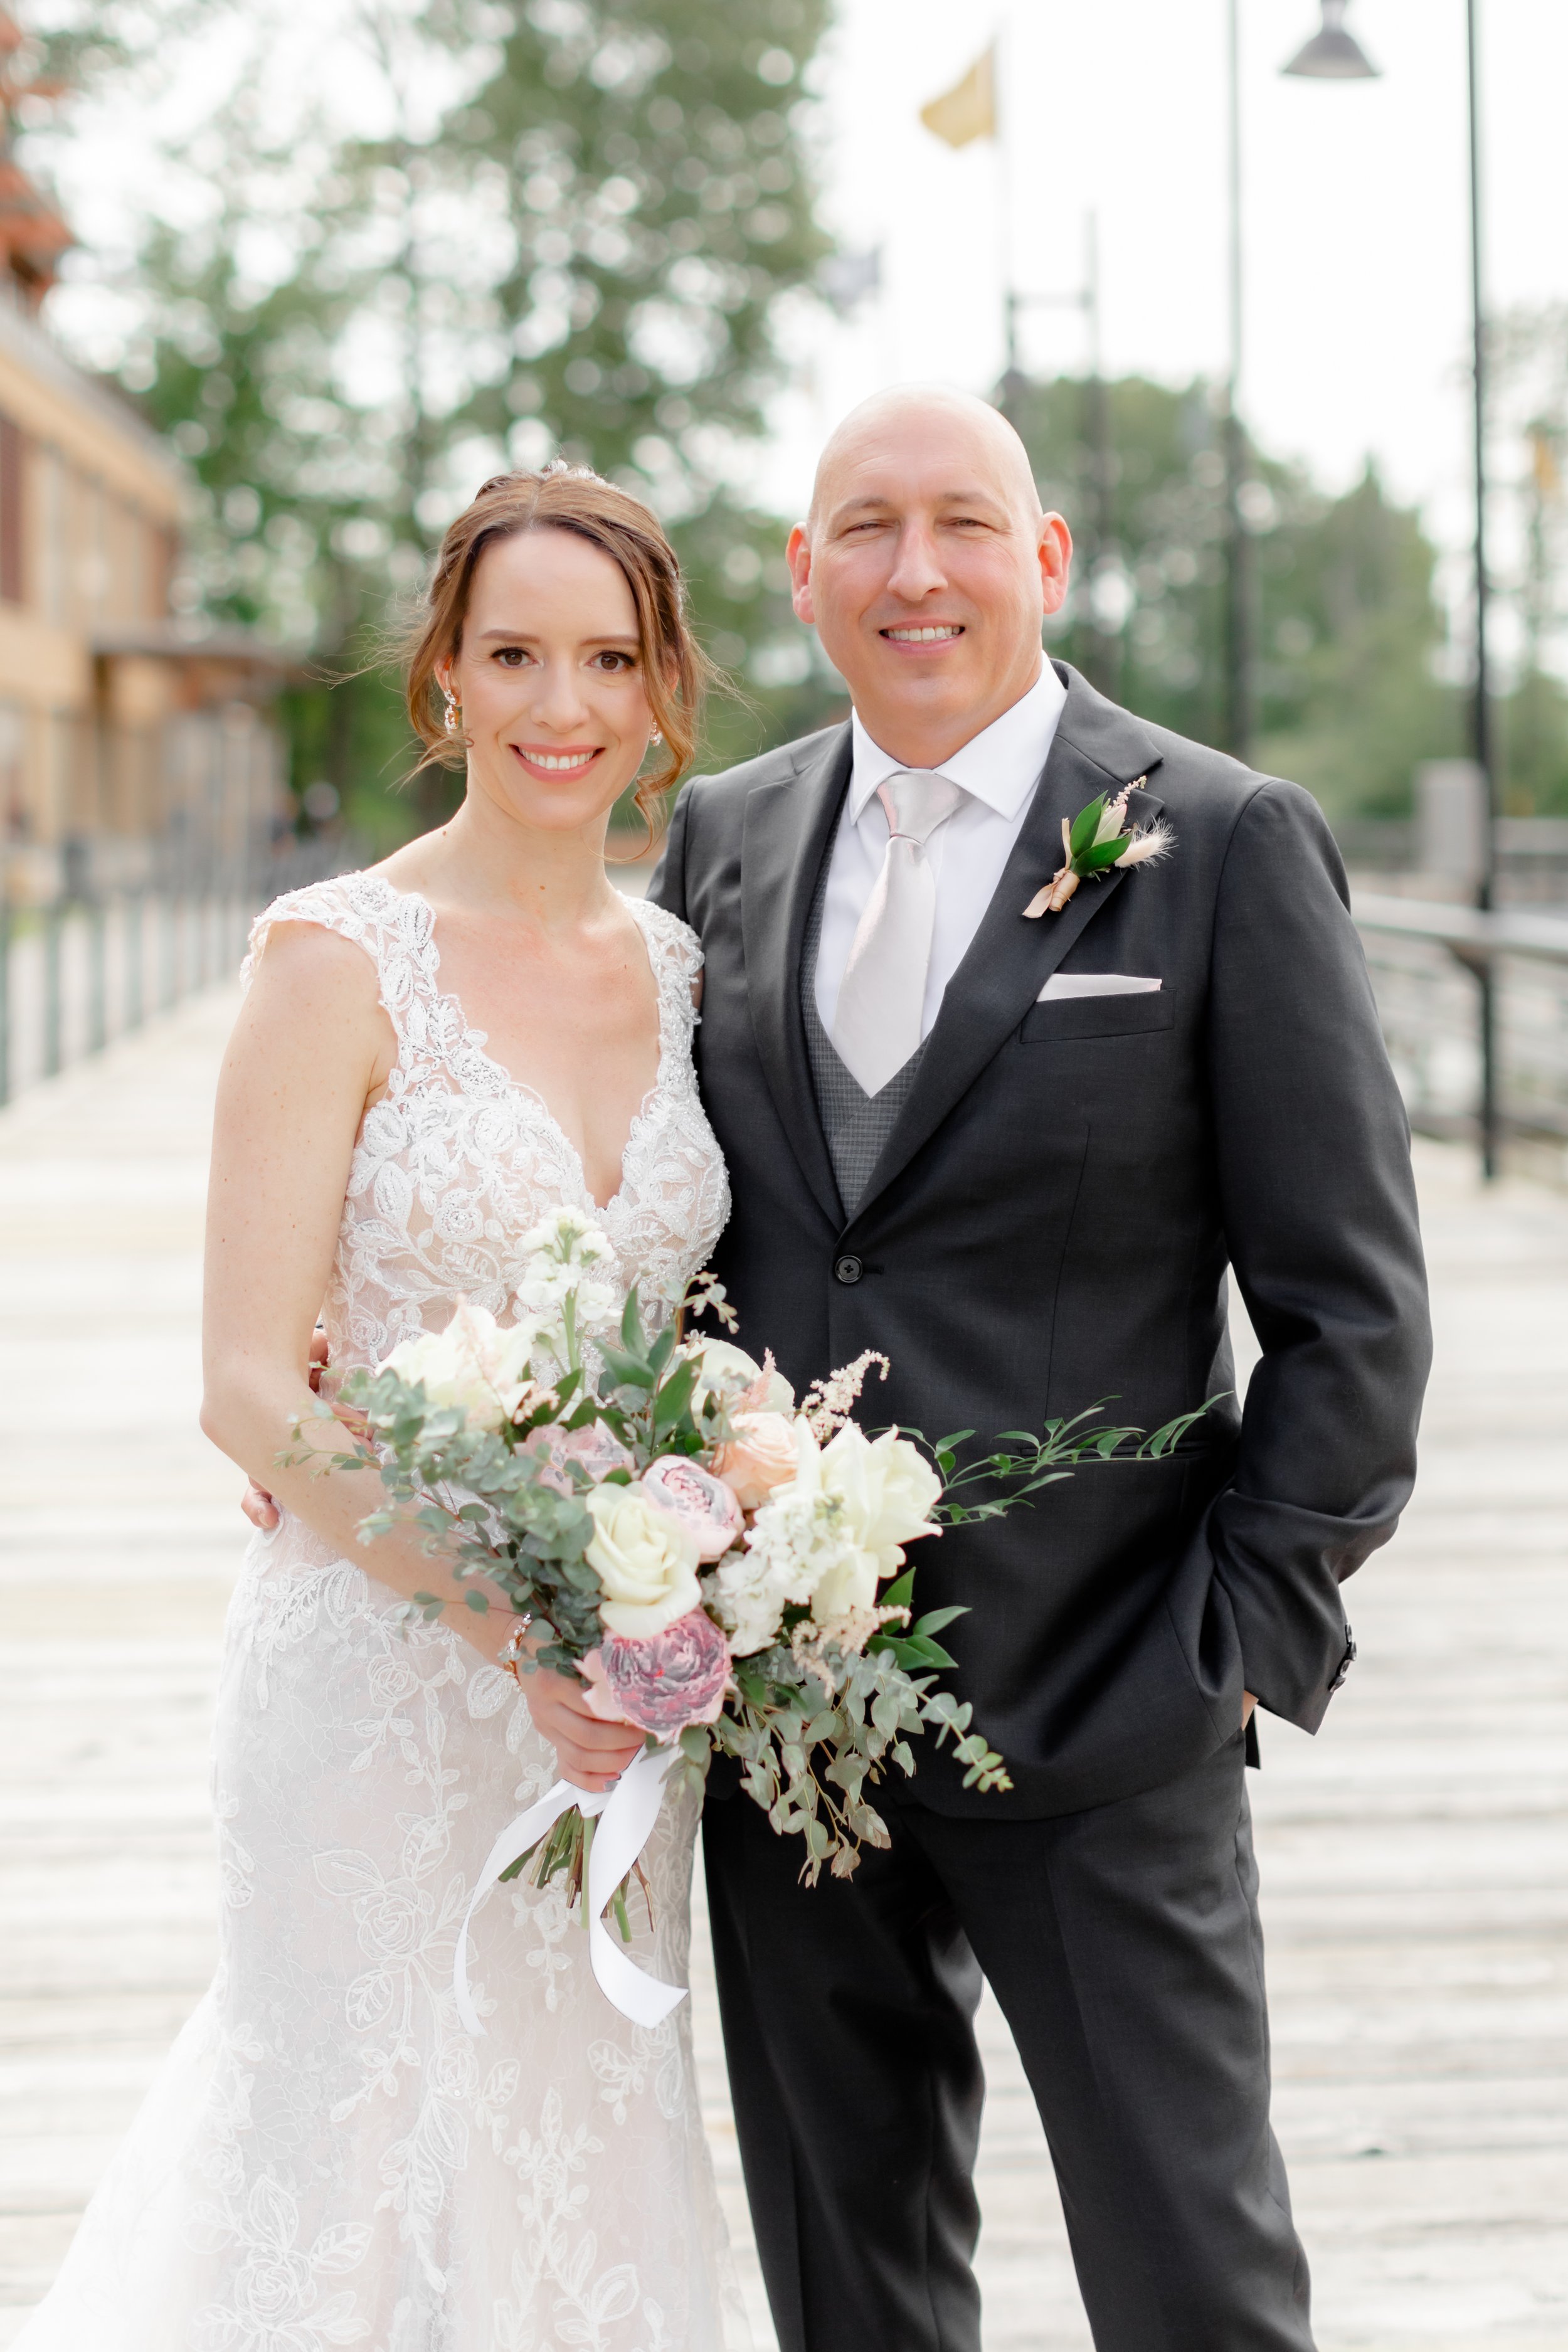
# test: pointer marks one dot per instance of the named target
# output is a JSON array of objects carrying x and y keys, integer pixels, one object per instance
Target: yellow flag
[{"x": 967, "y": 110}]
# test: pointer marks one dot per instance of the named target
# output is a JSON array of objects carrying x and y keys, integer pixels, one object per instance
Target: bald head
[
  {"x": 926, "y": 567},
  {"x": 922, "y": 422}
]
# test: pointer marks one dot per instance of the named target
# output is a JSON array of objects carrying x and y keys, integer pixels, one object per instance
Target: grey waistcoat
[{"x": 854, "y": 1123}]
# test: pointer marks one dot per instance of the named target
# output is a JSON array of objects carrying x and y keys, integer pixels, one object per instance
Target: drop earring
[
  {"x": 454, "y": 712},
  {"x": 656, "y": 735}
]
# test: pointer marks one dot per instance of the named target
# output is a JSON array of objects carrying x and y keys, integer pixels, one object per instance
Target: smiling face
[
  {"x": 549, "y": 677},
  {"x": 926, "y": 566}
]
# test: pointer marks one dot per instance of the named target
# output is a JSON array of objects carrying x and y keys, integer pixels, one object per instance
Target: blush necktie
[{"x": 877, "y": 1025}]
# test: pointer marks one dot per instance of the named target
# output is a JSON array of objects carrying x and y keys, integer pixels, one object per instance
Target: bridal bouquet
[{"x": 721, "y": 1565}]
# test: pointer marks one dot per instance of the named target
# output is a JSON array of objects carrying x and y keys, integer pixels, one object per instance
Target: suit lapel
[
  {"x": 788, "y": 828},
  {"x": 1097, "y": 748}
]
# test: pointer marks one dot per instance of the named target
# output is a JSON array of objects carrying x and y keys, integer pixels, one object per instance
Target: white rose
[
  {"x": 644, "y": 1558},
  {"x": 473, "y": 1365},
  {"x": 849, "y": 1587},
  {"x": 725, "y": 1370},
  {"x": 888, "y": 1490}
]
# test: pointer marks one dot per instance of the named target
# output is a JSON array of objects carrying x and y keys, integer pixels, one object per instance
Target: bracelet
[{"x": 513, "y": 1650}]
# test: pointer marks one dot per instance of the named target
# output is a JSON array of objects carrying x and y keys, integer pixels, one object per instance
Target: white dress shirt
[{"x": 997, "y": 771}]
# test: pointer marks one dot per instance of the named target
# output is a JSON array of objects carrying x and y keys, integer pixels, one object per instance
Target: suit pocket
[{"x": 1097, "y": 1016}]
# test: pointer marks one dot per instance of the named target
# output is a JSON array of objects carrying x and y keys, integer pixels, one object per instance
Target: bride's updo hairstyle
[{"x": 675, "y": 669}]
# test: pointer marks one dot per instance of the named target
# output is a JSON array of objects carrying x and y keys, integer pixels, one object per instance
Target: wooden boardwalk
[{"x": 1415, "y": 1855}]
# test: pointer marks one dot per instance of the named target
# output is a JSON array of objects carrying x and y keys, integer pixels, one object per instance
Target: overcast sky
[
  {"x": 1355, "y": 202},
  {"x": 1355, "y": 205}
]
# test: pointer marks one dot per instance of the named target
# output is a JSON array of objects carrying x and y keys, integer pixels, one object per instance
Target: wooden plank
[{"x": 1415, "y": 1855}]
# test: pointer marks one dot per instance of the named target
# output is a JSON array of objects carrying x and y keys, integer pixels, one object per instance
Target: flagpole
[{"x": 999, "y": 117}]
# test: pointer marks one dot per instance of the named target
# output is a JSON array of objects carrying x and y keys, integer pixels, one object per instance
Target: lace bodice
[
  {"x": 458, "y": 1159},
  {"x": 327, "y": 2159}
]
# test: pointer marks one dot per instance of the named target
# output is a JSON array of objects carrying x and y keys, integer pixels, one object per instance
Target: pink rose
[
  {"x": 704, "y": 1505},
  {"x": 597, "y": 1449},
  {"x": 679, "y": 1676},
  {"x": 761, "y": 1456}
]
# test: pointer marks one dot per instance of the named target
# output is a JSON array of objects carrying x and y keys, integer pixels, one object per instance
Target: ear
[
  {"x": 1056, "y": 561},
  {"x": 797, "y": 555}
]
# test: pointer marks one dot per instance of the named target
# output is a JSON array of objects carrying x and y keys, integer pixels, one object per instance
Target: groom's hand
[{"x": 1247, "y": 1703}]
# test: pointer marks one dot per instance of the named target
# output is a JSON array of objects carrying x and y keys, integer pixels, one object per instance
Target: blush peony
[
  {"x": 597, "y": 1449},
  {"x": 704, "y": 1505},
  {"x": 662, "y": 1684}
]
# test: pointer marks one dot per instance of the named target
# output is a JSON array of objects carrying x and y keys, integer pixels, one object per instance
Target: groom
[{"x": 1018, "y": 1153}]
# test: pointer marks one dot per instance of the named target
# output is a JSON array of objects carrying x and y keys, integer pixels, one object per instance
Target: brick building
[{"x": 132, "y": 746}]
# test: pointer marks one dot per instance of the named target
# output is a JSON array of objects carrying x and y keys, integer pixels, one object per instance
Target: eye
[
  {"x": 510, "y": 657},
  {"x": 614, "y": 662}
]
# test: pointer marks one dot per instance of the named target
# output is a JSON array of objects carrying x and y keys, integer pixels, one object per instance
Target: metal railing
[
  {"x": 1475, "y": 1011},
  {"x": 77, "y": 973}
]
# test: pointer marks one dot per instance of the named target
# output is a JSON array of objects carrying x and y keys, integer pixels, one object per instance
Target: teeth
[
  {"x": 559, "y": 762},
  {"x": 923, "y": 636}
]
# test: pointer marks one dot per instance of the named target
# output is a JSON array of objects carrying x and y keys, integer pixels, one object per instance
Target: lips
[{"x": 557, "y": 763}]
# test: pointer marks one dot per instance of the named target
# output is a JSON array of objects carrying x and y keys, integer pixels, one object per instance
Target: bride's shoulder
[
  {"x": 673, "y": 946},
  {"x": 360, "y": 908},
  {"x": 675, "y": 951}
]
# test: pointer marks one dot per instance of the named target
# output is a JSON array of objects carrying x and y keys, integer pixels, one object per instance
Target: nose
[
  {"x": 559, "y": 704},
  {"x": 917, "y": 570}
]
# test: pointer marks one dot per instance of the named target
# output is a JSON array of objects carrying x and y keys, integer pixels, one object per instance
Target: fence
[
  {"x": 74, "y": 975},
  {"x": 1432, "y": 967},
  {"x": 77, "y": 973}
]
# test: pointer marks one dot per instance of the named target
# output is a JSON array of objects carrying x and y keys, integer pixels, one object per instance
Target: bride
[{"x": 431, "y": 1056}]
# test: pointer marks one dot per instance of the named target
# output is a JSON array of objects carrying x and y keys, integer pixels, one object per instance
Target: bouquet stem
[{"x": 567, "y": 1847}]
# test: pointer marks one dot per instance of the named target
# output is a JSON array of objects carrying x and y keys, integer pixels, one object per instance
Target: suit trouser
[{"x": 1124, "y": 1947}]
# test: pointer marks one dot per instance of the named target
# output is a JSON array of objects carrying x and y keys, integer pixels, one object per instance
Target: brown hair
[{"x": 675, "y": 668}]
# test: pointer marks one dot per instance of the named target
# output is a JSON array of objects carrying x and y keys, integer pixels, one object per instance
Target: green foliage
[
  {"x": 580, "y": 251},
  {"x": 1348, "y": 626}
]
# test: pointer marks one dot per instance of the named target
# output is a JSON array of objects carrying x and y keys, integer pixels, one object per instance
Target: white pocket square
[{"x": 1095, "y": 983}]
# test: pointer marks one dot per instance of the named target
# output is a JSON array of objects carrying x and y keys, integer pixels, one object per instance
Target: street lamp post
[
  {"x": 1239, "y": 548},
  {"x": 1334, "y": 54}
]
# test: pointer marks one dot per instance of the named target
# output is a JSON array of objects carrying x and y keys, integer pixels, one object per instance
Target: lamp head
[{"x": 1332, "y": 54}]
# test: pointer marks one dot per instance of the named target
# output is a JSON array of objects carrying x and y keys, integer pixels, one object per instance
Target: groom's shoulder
[
  {"x": 1215, "y": 794},
  {"x": 1207, "y": 794},
  {"x": 730, "y": 788}
]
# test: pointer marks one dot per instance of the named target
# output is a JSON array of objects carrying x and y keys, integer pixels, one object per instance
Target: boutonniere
[{"x": 1094, "y": 841}]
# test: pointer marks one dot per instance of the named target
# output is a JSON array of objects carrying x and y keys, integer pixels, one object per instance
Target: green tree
[
  {"x": 571, "y": 232},
  {"x": 1347, "y": 623}
]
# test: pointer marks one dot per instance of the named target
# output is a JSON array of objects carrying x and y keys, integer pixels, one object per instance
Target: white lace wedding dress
[{"x": 327, "y": 2157}]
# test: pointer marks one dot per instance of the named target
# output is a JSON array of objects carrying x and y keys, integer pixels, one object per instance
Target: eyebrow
[
  {"x": 875, "y": 504},
  {"x": 522, "y": 636}
]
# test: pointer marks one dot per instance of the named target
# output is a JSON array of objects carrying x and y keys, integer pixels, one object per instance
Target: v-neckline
[{"x": 474, "y": 1041}]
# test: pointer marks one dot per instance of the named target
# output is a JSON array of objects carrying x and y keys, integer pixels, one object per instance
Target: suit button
[{"x": 849, "y": 1270}]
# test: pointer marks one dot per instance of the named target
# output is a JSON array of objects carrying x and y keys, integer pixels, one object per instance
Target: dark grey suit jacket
[{"x": 1049, "y": 1227}]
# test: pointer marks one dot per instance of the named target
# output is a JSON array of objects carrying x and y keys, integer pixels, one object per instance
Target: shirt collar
[{"x": 998, "y": 766}]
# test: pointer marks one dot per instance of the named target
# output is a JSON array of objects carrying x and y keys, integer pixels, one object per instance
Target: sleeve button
[{"x": 849, "y": 1270}]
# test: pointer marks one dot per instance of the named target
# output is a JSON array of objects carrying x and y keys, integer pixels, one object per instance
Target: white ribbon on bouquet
[{"x": 626, "y": 1814}]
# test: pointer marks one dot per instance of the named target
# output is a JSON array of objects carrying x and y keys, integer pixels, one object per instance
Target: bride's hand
[
  {"x": 591, "y": 1754},
  {"x": 256, "y": 1504}
]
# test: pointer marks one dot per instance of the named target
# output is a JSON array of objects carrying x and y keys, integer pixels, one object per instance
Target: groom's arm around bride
[{"x": 1018, "y": 1153}]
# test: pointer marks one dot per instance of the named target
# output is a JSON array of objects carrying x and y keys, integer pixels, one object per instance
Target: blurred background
[
  {"x": 285, "y": 282},
  {"x": 1277, "y": 293}
]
